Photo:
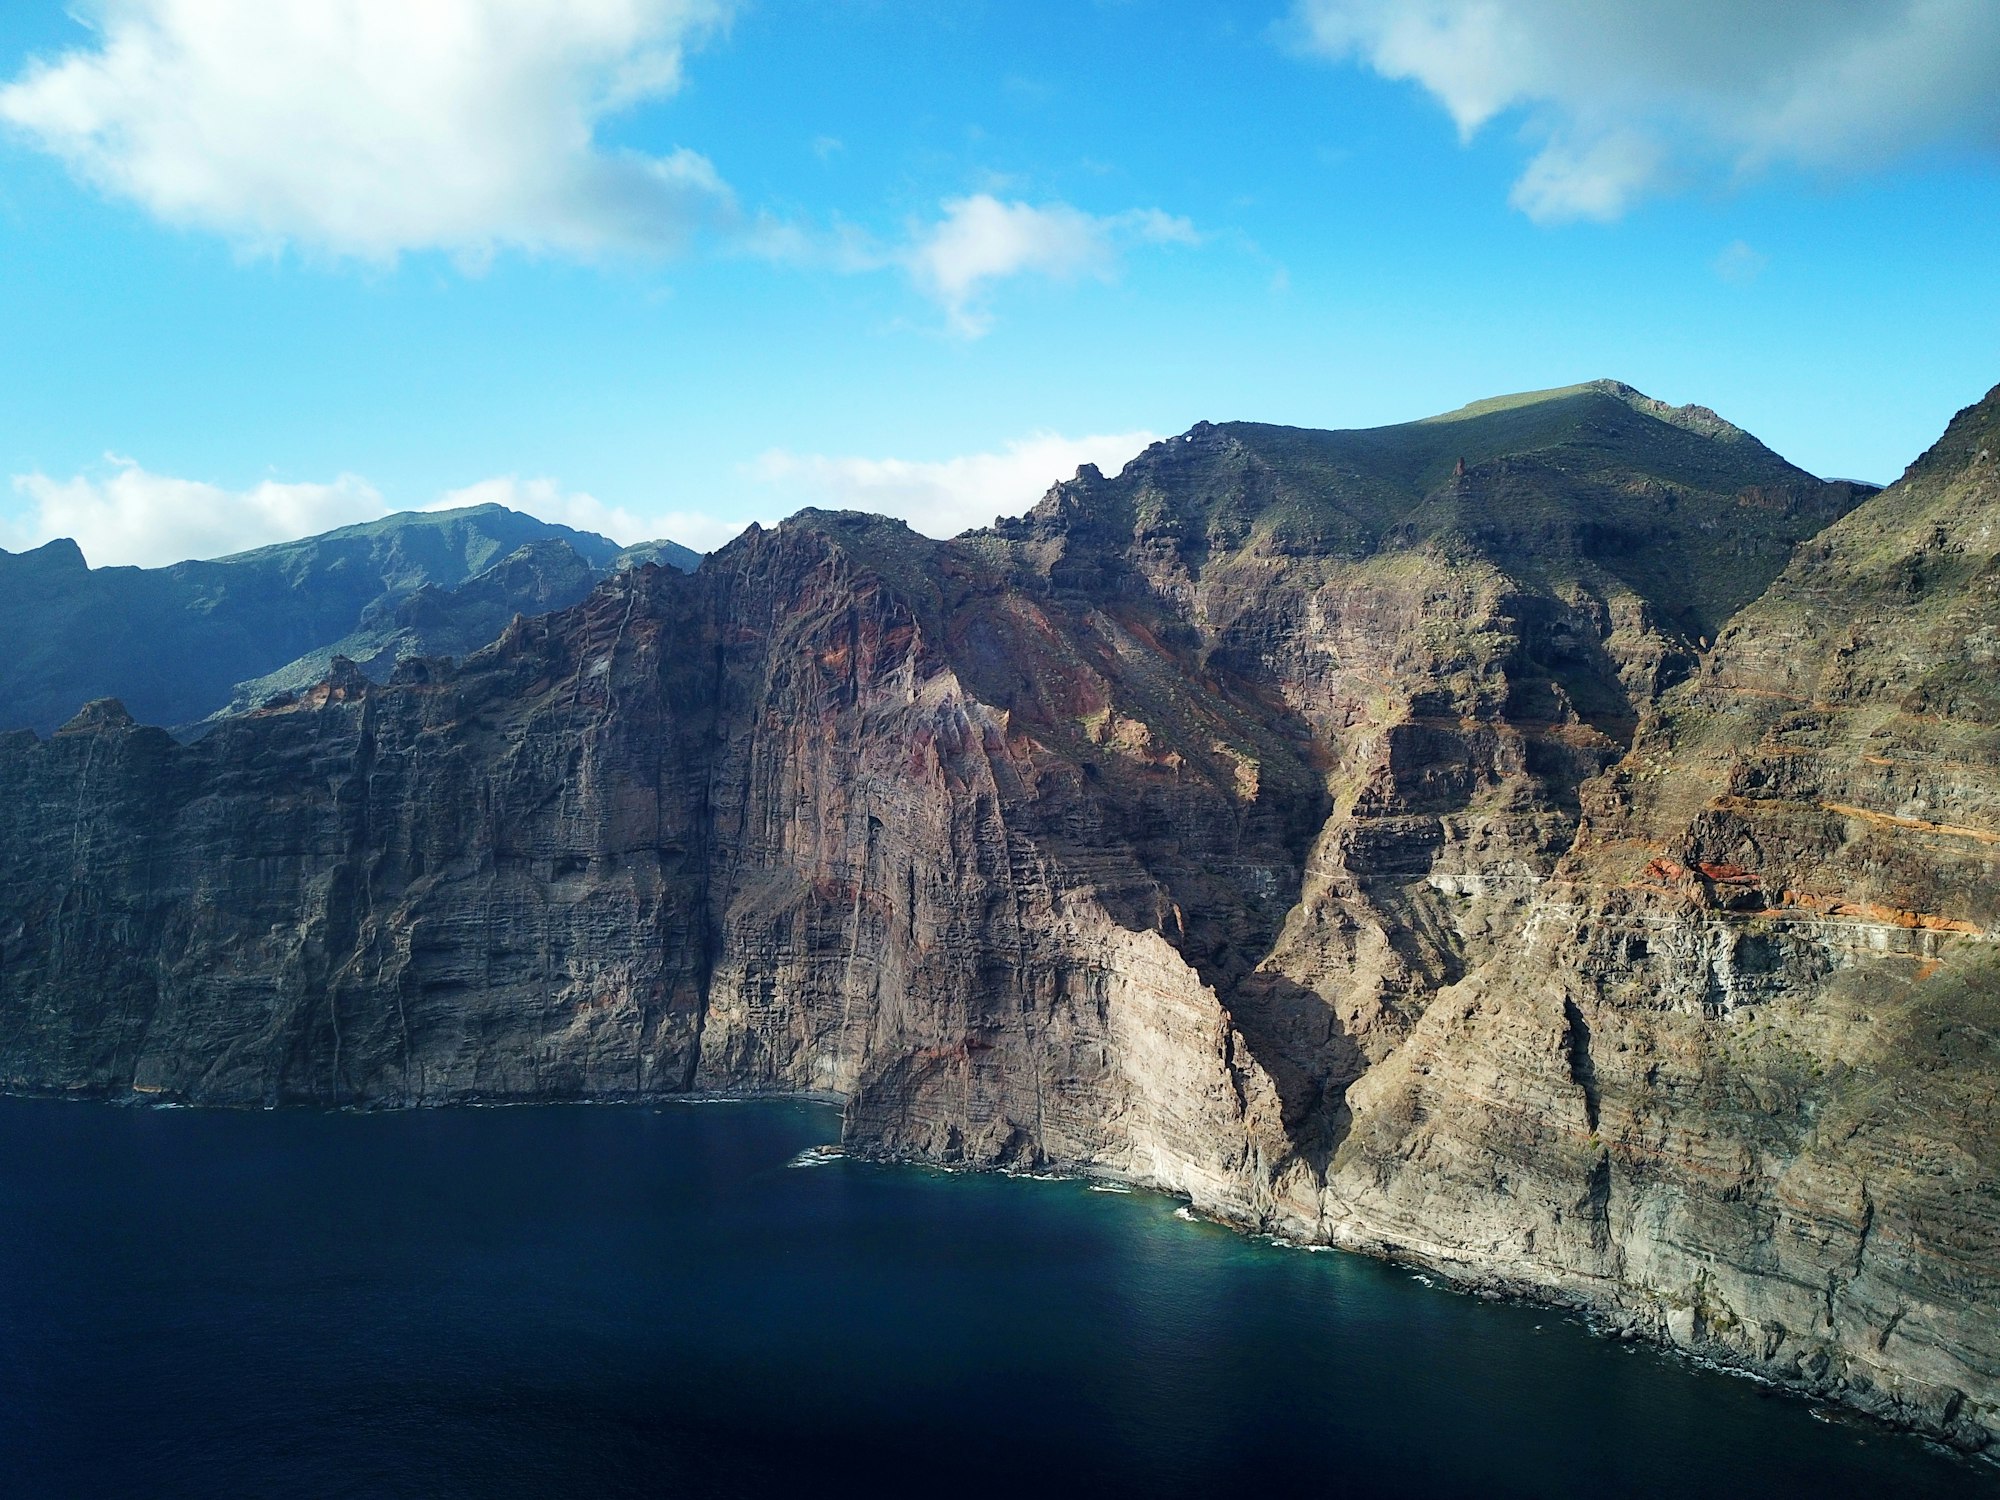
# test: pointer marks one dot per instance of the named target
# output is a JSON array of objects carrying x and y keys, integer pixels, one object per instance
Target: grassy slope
[{"x": 1578, "y": 483}]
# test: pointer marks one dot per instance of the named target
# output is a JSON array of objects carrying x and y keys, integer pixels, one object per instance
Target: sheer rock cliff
[{"x": 1554, "y": 843}]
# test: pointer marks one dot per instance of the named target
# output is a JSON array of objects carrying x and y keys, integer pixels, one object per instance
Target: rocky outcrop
[{"x": 1356, "y": 832}]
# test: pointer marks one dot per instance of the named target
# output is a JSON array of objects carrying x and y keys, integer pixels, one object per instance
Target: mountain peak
[
  {"x": 60, "y": 554},
  {"x": 1973, "y": 436},
  {"x": 1696, "y": 419},
  {"x": 1701, "y": 420},
  {"x": 99, "y": 713}
]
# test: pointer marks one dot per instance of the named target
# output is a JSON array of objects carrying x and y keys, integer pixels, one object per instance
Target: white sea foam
[
  {"x": 1109, "y": 1187},
  {"x": 818, "y": 1156}
]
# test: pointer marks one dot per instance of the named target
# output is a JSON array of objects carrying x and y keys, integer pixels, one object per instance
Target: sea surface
[{"x": 614, "y": 1301}]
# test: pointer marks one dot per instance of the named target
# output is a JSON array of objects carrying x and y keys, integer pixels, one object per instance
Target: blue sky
[{"x": 674, "y": 265}]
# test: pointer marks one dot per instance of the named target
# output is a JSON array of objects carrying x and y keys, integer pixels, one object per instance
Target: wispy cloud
[
  {"x": 366, "y": 128},
  {"x": 1739, "y": 264},
  {"x": 1627, "y": 100},
  {"x": 976, "y": 243},
  {"x": 942, "y": 497}
]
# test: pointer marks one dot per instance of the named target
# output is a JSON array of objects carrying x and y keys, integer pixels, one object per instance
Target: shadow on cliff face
[
  {"x": 1214, "y": 871},
  {"x": 1582, "y": 1067},
  {"x": 1295, "y": 1035}
]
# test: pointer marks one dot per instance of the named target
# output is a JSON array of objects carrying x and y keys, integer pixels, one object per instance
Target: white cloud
[
  {"x": 133, "y": 516},
  {"x": 976, "y": 242},
  {"x": 1622, "y": 98},
  {"x": 370, "y": 127},
  {"x": 981, "y": 240},
  {"x": 945, "y": 497},
  {"x": 1598, "y": 179},
  {"x": 583, "y": 511}
]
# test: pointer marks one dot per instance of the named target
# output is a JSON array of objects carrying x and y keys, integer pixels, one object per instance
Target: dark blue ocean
[{"x": 653, "y": 1301}]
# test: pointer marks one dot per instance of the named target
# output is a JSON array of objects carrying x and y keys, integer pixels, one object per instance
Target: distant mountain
[
  {"x": 666, "y": 554},
  {"x": 181, "y": 643}
]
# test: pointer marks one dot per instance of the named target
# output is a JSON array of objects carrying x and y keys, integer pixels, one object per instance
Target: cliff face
[
  {"x": 1734, "y": 1080},
  {"x": 1353, "y": 831},
  {"x": 748, "y": 830}
]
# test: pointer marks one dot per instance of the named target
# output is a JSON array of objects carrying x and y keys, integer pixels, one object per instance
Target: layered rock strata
[{"x": 1357, "y": 832}]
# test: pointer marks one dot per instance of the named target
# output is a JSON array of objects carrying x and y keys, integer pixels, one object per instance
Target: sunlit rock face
[{"x": 1553, "y": 842}]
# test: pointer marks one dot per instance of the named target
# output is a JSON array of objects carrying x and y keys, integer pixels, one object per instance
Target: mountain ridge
[{"x": 177, "y": 643}]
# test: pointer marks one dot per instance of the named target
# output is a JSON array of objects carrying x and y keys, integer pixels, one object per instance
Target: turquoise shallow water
[{"x": 652, "y": 1301}]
